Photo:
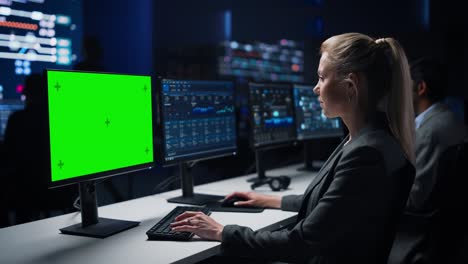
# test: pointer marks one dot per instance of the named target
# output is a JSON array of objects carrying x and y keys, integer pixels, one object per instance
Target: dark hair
[{"x": 433, "y": 73}]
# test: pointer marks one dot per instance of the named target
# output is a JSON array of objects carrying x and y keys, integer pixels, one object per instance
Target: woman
[{"x": 349, "y": 212}]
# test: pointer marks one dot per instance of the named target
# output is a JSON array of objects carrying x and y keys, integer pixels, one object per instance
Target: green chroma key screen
[{"x": 98, "y": 122}]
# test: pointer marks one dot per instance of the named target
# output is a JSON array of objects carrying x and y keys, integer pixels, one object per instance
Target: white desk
[{"x": 41, "y": 242}]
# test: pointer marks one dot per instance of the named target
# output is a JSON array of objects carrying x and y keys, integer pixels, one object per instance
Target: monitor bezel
[
  {"x": 192, "y": 158},
  {"x": 327, "y": 134},
  {"x": 276, "y": 144},
  {"x": 99, "y": 175}
]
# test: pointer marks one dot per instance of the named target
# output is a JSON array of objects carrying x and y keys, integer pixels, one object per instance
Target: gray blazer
[
  {"x": 438, "y": 131},
  {"x": 346, "y": 211},
  {"x": 415, "y": 241}
]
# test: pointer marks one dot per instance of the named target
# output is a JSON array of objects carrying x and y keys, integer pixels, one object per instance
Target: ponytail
[{"x": 399, "y": 106}]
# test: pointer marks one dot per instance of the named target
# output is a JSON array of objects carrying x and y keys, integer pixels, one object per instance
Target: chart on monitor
[
  {"x": 310, "y": 120},
  {"x": 312, "y": 126},
  {"x": 198, "y": 122}
]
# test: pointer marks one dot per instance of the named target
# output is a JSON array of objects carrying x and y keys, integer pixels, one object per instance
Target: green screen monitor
[{"x": 100, "y": 125}]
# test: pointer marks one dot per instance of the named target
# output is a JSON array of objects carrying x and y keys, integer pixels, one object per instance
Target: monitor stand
[
  {"x": 188, "y": 196},
  {"x": 261, "y": 178},
  {"x": 309, "y": 163},
  {"x": 91, "y": 225}
]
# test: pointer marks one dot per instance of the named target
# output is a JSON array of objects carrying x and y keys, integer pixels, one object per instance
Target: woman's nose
[{"x": 316, "y": 90}]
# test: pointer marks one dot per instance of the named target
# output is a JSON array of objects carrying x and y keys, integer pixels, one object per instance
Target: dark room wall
[
  {"x": 125, "y": 31},
  {"x": 182, "y": 22},
  {"x": 373, "y": 17}
]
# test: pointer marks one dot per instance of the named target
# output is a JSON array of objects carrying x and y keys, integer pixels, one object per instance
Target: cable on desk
[
  {"x": 77, "y": 202},
  {"x": 168, "y": 181},
  {"x": 165, "y": 183}
]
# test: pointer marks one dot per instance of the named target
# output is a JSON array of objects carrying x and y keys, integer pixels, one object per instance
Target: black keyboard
[{"x": 162, "y": 229}]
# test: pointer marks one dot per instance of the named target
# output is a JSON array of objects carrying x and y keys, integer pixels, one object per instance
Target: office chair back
[
  {"x": 436, "y": 234},
  {"x": 449, "y": 225}
]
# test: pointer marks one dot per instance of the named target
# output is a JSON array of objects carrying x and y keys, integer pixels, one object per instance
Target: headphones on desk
[{"x": 276, "y": 183}]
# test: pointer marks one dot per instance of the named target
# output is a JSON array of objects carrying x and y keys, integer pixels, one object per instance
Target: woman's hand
[
  {"x": 256, "y": 199},
  {"x": 199, "y": 224}
]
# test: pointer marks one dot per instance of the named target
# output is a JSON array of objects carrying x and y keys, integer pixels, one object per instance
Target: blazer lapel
[
  {"x": 332, "y": 160},
  {"x": 325, "y": 168},
  {"x": 320, "y": 175}
]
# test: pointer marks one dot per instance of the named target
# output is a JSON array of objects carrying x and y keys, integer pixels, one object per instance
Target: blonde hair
[{"x": 384, "y": 64}]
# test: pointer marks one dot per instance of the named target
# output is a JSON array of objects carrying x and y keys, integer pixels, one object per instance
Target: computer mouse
[{"x": 230, "y": 202}]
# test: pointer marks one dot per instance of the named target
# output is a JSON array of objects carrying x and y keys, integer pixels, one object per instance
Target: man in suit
[{"x": 437, "y": 128}]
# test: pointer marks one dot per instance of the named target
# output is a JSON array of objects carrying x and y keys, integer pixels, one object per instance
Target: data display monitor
[
  {"x": 310, "y": 121},
  {"x": 198, "y": 120},
  {"x": 7, "y": 107},
  {"x": 34, "y": 35},
  {"x": 272, "y": 114},
  {"x": 100, "y": 125}
]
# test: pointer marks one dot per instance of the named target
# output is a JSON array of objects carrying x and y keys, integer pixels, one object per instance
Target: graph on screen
[
  {"x": 199, "y": 119},
  {"x": 311, "y": 122},
  {"x": 272, "y": 113}
]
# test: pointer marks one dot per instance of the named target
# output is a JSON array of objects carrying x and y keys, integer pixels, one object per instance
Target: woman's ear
[{"x": 352, "y": 82}]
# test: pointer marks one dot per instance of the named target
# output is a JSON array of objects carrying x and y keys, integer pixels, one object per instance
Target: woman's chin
[
  {"x": 326, "y": 114},
  {"x": 329, "y": 115}
]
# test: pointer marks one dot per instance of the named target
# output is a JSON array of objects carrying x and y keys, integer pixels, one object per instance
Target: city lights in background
[
  {"x": 34, "y": 35},
  {"x": 280, "y": 61}
]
